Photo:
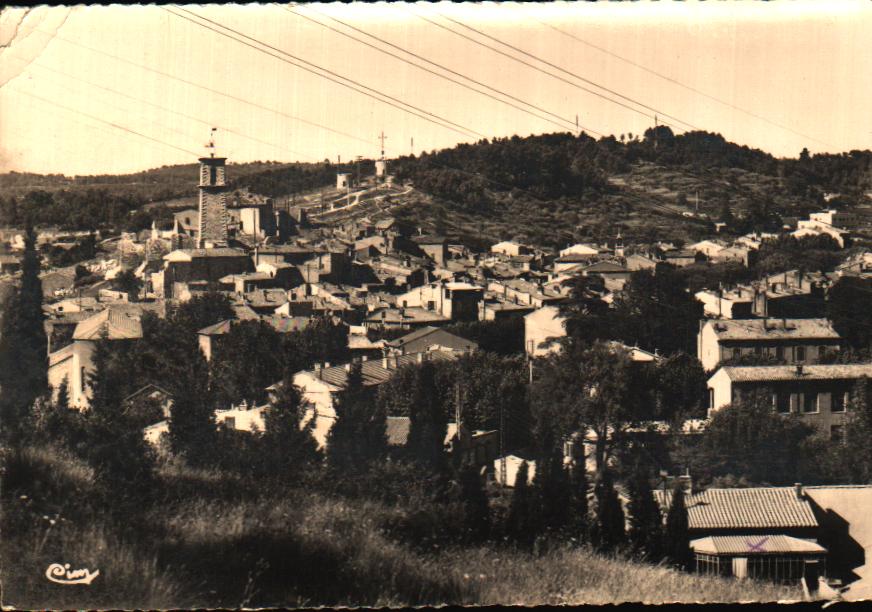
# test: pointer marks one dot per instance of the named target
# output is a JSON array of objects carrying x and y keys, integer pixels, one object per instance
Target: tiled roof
[
  {"x": 754, "y": 508},
  {"x": 279, "y": 323},
  {"x": 755, "y": 545},
  {"x": 748, "y": 329},
  {"x": 410, "y": 315},
  {"x": 374, "y": 371},
  {"x": 444, "y": 338},
  {"x": 117, "y": 323},
  {"x": 189, "y": 254},
  {"x": 605, "y": 266},
  {"x": 836, "y": 371}
]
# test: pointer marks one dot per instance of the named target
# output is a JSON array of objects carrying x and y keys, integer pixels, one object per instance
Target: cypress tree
[
  {"x": 476, "y": 511},
  {"x": 62, "y": 401},
  {"x": 646, "y": 524},
  {"x": 428, "y": 422},
  {"x": 520, "y": 526},
  {"x": 552, "y": 491},
  {"x": 359, "y": 434},
  {"x": 677, "y": 536},
  {"x": 610, "y": 529},
  {"x": 23, "y": 345},
  {"x": 578, "y": 504},
  {"x": 286, "y": 445},
  {"x": 192, "y": 427}
]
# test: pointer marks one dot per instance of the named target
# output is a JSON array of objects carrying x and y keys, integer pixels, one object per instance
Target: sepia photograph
[{"x": 404, "y": 304}]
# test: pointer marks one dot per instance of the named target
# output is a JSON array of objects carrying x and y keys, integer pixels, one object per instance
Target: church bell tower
[{"x": 212, "y": 230}]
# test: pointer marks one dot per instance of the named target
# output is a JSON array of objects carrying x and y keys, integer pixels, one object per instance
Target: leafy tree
[
  {"x": 521, "y": 522},
  {"x": 595, "y": 387},
  {"x": 286, "y": 444},
  {"x": 127, "y": 282},
  {"x": 551, "y": 486},
  {"x": 645, "y": 522},
  {"x": 681, "y": 387},
  {"x": 192, "y": 416},
  {"x": 428, "y": 420},
  {"x": 358, "y": 435},
  {"x": 321, "y": 341},
  {"x": 656, "y": 311},
  {"x": 609, "y": 530},
  {"x": 579, "y": 523},
  {"x": 23, "y": 345},
  {"x": 748, "y": 438},
  {"x": 201, "y": 311},
  {"x": 676, "y": 534},
  {"x": 476, "y": 511},
  {"x": 245, "y": 361},
  {"x": 848, "y": 307}
]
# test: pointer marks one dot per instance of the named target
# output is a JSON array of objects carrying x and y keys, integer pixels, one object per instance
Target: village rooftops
[
  {"x": 604, "y": 266},
  {"x": 187, "y": 255},
  {"x": 413, "y": 315},
  {"x": 836, "y": 371},
  {"x": 376, "y": 371},
  {"x": 428, "y": 239},
  {"x": 760, "y": 329},
  {"x": 752, "y": 508},
  {"x": 282, "y": 325}
]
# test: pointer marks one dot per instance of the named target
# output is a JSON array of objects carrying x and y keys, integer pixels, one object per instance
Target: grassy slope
[{"x": 209, "y": 544}]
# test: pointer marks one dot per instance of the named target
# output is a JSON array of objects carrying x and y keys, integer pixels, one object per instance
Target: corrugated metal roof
[
  {"x": 753, "y": 508},
  {"x": 755, "y": 545}
]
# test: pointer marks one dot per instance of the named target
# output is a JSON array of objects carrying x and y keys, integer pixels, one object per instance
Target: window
[
  {"x": 711, "y": 398},
  {"x": 840, "y": 401},
  {"x": 782, "y": 403},
  {"x": 431, "y": 305},
  {"x": 83, "y": 380},
  {"x": 758, "y": 350},
  {"x": 187, "y": 220},
  {"x": 230, "y": 422},
  {"x": 737, "y": 352},
  {"x": 800, "y": 353},
  {"x": 822, "y": 352},
  {"x": 213, "y": 175},
  {"x": 779, "y": 352},
  {"x": 809, "y": 402}
]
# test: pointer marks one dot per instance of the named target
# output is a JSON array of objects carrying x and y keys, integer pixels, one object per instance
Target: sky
[{"x": 117, "y": 89}]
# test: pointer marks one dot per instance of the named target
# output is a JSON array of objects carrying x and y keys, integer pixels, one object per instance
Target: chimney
[
  {"x": 326, "y": 364},
  {"x": 420, "y": 357},
  {"x": 385, "y": 363},
  {"x": 797, "y": 489},
  {"x": 348, "y": 367},
  {"x": 364, "y": 358}
]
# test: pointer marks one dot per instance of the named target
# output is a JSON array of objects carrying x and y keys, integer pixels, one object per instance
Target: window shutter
[{"x": 795, "y": 400}]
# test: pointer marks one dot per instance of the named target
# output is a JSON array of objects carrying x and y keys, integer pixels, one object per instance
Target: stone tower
[{"x": 213, "y": 203}]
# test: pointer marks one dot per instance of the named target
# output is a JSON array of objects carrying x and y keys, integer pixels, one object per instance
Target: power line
[
  {"x": 539, "y": 69},
  {"x": 421, "y": 58},
  {"x": 680, "y": 84},
  {"x": 391, "y": 101},
  {"x": 163, "y": 108},
  {"x": 579, "y": 77},
  {"x": 115, "y": 125},
  {"x": 203, "y": 87}
]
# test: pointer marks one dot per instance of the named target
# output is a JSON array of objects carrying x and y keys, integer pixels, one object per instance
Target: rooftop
[
  {"x": 835, "y": 371},
  {"x": 746, "y": 329},
  {"x": 190, "y": 254},
  {"x": 115, "y": 323},
  {"x": 753, "y": 508},
  {"x": 755, "y": 544},
  {"x": 378, "y": 371}
]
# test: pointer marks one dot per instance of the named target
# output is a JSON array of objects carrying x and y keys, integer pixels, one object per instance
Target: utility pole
[{"x": 357, "y": 160}]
